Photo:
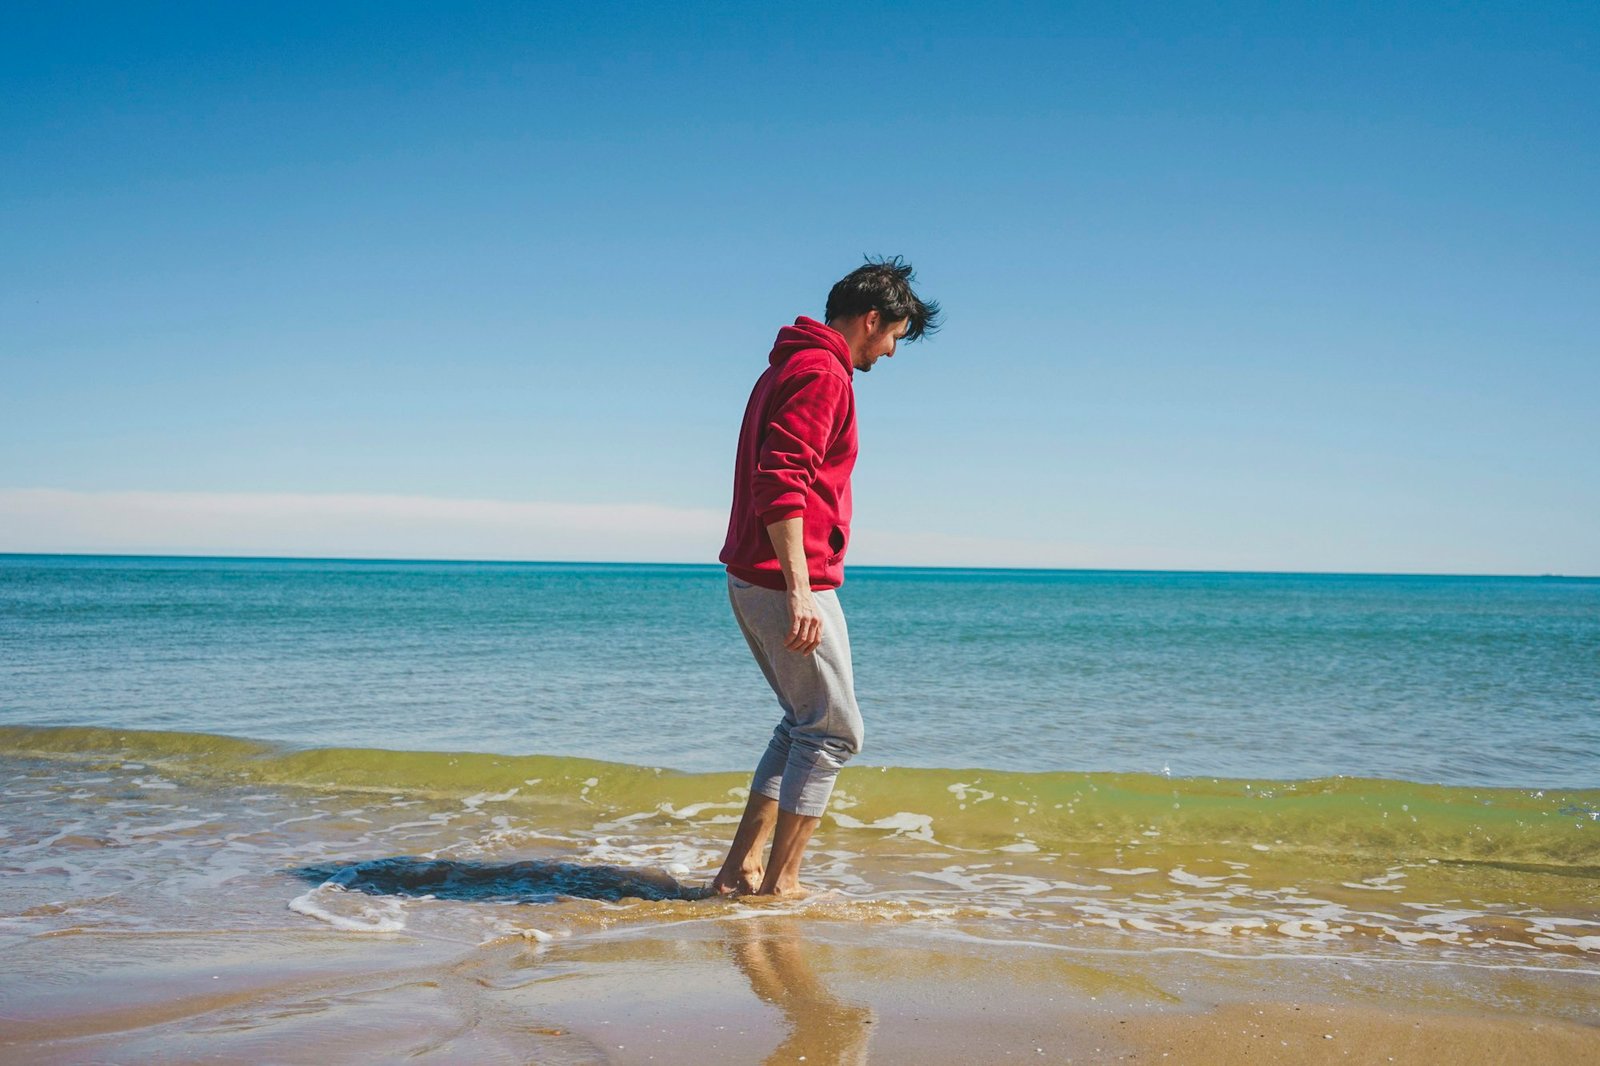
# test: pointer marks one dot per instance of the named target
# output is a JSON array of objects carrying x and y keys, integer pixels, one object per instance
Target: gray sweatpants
[{"x": 821, "y": 727}]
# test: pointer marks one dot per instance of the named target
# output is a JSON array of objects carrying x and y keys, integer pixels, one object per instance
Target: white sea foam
[
  {"x": 671, "y": 855},
  {"x": 626, "y": 820},
  {"x": 694, "y": 809},
  {"x": 969, "y": 793},
  {"x": 1379, "y": 882},
  {"x": 1449, "y": 918},
  {"x": 170, "y": 827},
  {"x": 1307, "y": 929},
  {"x": 477, "y": 800},
  {"x": 1222, "y": 926},
  {"x": 1559, "y": 940},
  {"x": 1184, "y": 877},
  {"x": 1410, "y": 937},
  {"x": 326, "y": 901},
  {"x": 918, "y": 826}
]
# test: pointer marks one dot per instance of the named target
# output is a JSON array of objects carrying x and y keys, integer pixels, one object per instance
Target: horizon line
[{"x": 717, "y": 565}]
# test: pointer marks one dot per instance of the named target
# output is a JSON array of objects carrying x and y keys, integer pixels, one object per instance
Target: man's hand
[{"x": 805, "y": 622}]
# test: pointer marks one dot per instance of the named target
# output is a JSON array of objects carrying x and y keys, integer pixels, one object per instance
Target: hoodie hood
[{"x": 807, "y": 334}]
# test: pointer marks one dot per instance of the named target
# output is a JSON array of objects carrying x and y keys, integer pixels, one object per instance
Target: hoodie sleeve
[{"x": 805, "y": 419}]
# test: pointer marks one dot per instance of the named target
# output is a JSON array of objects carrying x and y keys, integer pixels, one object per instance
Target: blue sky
[{"x": 1236, "y": 286}]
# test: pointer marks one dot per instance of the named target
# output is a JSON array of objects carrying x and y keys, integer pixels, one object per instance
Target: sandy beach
[{"x": 773, "y": 984}]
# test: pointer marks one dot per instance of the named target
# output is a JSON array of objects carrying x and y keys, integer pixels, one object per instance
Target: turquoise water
[{"x": 1454, "y": 680}]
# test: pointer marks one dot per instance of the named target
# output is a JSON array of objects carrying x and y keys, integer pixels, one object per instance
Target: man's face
[{"x": 880, "y": 339}]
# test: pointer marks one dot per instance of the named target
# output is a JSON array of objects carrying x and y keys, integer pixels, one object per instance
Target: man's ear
[{"x": 871, "y": 321}]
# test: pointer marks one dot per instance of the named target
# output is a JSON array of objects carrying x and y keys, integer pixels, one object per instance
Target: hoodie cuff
[{"x": 779, "y": 514}]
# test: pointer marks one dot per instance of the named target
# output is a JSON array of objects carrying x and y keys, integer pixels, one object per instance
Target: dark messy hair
[{"x": 884, "y": 285}]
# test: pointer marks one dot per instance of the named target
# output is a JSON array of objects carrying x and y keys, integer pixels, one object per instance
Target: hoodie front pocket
[{"x": 838, "y": 537}]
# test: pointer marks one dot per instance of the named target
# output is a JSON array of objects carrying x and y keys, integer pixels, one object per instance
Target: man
[{"x": 785, "y": 550}]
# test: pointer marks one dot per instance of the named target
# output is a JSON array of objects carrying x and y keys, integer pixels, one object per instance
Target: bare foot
[
  {"x": 745, "y": 883},
  {"x": 790, "y": 892}
]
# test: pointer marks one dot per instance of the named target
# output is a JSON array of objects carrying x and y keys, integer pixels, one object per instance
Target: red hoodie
[{"x": 796, "y": 450}]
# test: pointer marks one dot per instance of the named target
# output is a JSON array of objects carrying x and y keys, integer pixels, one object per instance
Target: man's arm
[
  {"x": 804, "y": 421},
  {"x": 805, "y": 621}
]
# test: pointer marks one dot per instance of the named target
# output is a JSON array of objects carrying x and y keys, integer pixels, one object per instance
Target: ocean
[
  {"x": 1381, "y": 771},
  {"x": 1444, "y": 680}
]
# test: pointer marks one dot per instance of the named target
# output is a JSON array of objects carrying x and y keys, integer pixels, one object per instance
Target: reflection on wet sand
[{"x": 771, "y": 953}]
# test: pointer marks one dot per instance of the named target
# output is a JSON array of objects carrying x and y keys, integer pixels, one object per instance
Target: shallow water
[{"x": 131, "y": 832}]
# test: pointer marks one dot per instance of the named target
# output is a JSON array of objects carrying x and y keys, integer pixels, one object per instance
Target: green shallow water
[
  {"x": 123, "y": 831},
  {"x": 976, "y": 809}
]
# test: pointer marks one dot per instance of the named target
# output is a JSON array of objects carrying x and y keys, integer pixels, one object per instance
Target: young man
[{"x": 787, "y": 537}]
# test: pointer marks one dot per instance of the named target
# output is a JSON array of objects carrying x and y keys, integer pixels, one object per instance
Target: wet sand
[
  {"x": 1330, "y": 1033},
  {"x": 764, "y": 984}
]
